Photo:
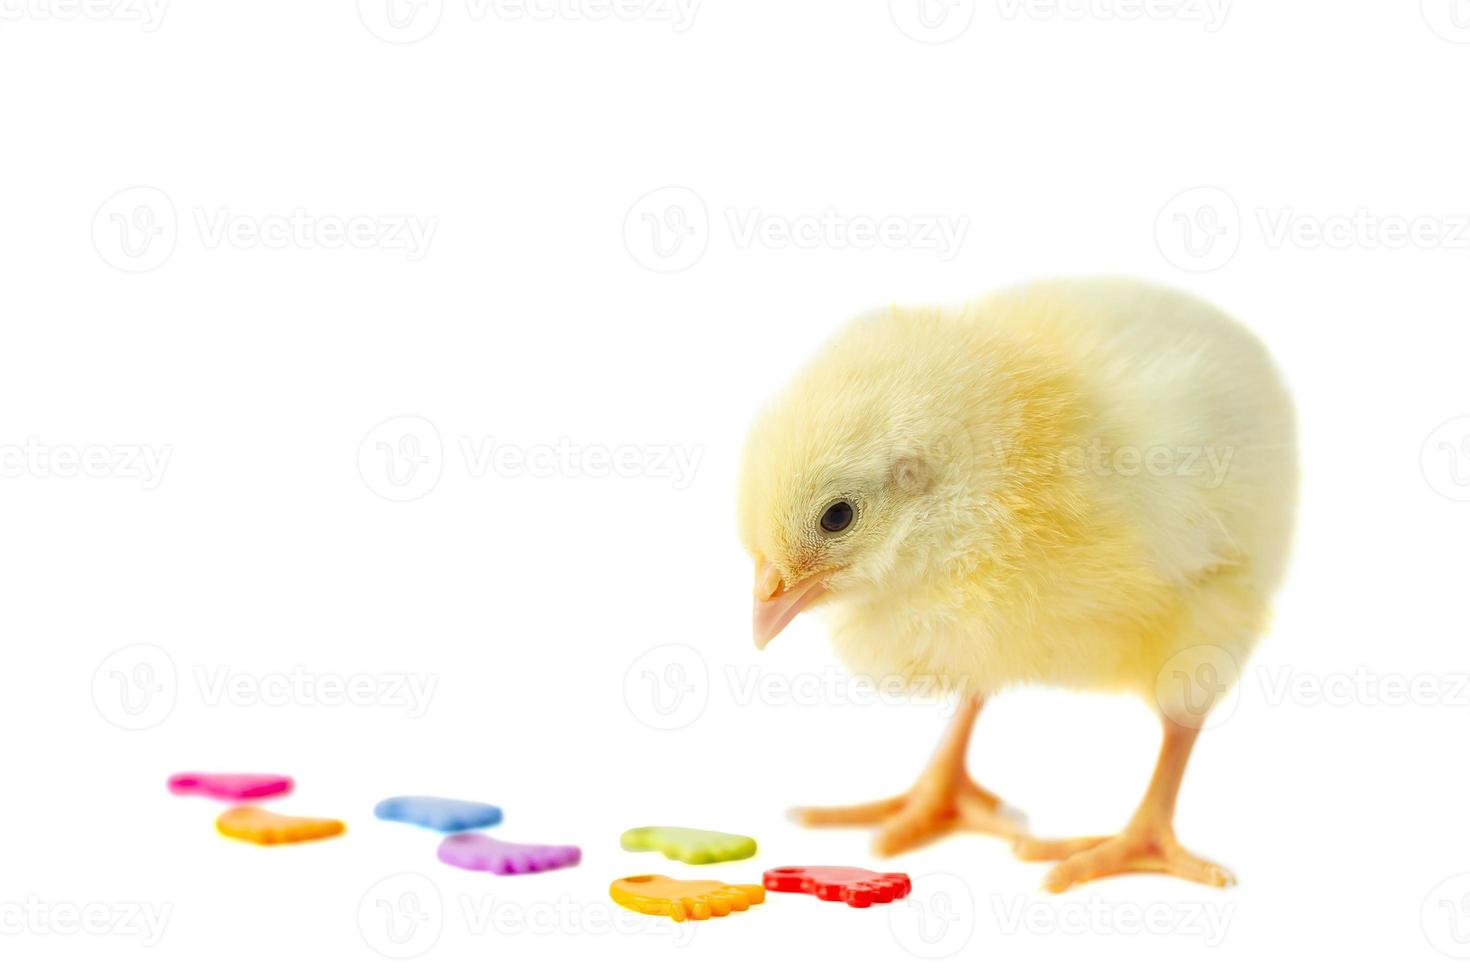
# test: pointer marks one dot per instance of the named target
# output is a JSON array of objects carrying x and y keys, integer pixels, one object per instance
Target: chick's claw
[
  {"x": 1130, "y": 851},
  {"x": 1038, "y": 849},
  {"x": 913, "y": 819}
]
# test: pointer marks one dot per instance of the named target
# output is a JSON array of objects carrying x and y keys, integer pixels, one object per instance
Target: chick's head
[{"x": 858, "y": 477}]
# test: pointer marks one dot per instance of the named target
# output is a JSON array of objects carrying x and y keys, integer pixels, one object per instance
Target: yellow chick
[{"x": 1082, "y": 483}]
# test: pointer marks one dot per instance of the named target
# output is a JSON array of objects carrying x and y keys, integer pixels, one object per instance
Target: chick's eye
[{"x": 837, "y": 517}]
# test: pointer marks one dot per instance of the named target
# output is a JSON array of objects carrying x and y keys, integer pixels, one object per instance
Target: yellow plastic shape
[
  {"x": 680, "y": 900},
  {"x": 250, "y": 823}
]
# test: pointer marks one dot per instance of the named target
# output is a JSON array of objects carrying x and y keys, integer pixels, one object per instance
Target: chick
[{"x": 1083, "y": 483}]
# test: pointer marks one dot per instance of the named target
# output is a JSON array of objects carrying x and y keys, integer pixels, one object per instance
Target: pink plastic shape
[{"x": 229, "y": 785}]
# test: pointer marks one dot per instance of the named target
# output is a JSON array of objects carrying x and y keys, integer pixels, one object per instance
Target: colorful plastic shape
[
  {"x": 680, "y": 900},
  {"x": 477, "y": 852},
  {"x": 229, "y": 785},
  {"x": 438, "y": 813},
  {"x": 249, "y": 823},
  {"x": 688, "y": 844},
  {"x": 857, "y": 887}
]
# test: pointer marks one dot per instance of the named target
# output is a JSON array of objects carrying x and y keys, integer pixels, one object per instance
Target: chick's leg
[
  {"x": 1146, "y": 844},
  {"x": 944, "y": 800}
]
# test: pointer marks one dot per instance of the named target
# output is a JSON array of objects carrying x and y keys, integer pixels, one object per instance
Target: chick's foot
[
  {"x": 1147, "y": 843},
  {"x": 943, "y": 801},
  {"x": 928, "y": 811},
  {"x": 1135, "y": 849}
]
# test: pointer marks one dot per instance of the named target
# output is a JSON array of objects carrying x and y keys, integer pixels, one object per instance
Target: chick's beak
[{"x": 775, "y": 605}]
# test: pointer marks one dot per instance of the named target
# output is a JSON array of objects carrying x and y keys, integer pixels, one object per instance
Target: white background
[{"x": 538, "y": 312}]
